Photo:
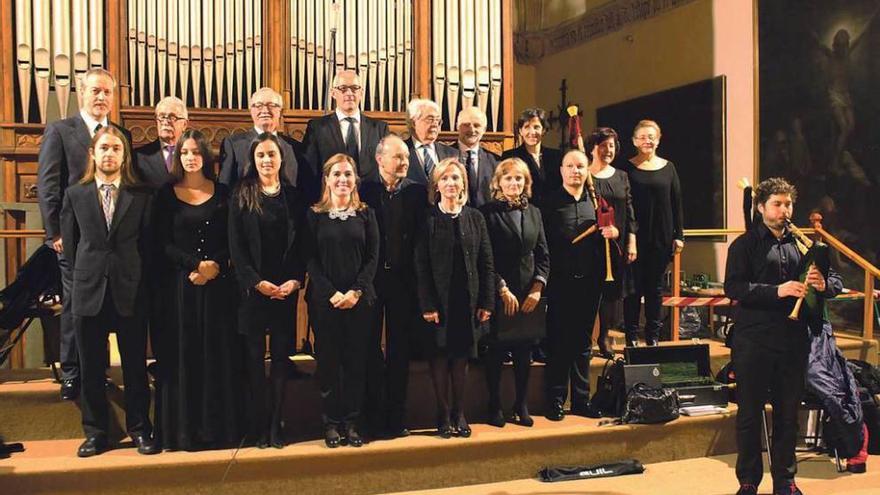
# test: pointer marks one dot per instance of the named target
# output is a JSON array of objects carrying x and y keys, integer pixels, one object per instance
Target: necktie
[
  {"x": 351, "y": 142},
  {"x": 97, "y": 128},
  {"x": 428, "y": 161},
  {"x": 473, "y": 186},
  {"x": 170, "y": 158},
  {"x": 107, "y": 202}
]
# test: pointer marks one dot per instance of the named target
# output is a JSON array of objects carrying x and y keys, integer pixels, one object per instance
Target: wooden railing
[{"x": 871, "y": 271}]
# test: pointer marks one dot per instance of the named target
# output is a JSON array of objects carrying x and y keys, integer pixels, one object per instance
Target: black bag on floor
[
  {"x": 648, "y": 405},
  {"x": 866, "y": 374},
  {"x": 871, "y": 412},
  {"x": 568, "y": 473},
  {"x": 610, "y": 389}
]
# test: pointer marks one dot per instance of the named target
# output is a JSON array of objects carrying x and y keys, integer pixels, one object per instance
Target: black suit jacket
[
  {"x": 486, "y": 163},
  {"x": 98, "y": 257},
  {"x": 434, "y": 263},
  {"x": 400, "y": 220},
  {"x": 547, "y": 178},
  {"x": 416, "y": 171},
  {"x": 521, "y": 255},
  {"x": 63, "y": 159},
  {"x": 324, "y": 139},
  {"x": 234, "y": 158},
  {"x": 245, "y": 240},
  {"x": 150, "y": 165}
]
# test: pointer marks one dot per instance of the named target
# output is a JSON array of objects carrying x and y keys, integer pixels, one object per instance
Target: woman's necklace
[
  {"x": 342, "y": 213},
  {"x": 271, "y": 191}
]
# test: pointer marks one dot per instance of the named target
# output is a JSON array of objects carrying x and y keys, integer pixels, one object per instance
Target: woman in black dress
[
  {"x": 543, "y": 161},
  {"x": 265, "y": 226},
  {"x": 343, "y": 242},
  {"x": 656, "y": 194},
  {"x": 522, "y": 264},
  {"x": 613, "y": 186},
  {"x": 456, "y": 283},
  {"x": 199, "y": 391}
]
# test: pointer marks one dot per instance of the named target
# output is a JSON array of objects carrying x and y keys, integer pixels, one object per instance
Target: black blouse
[
  {"x": 616, "y": 191},
  {"x": 656, "y": 198},
  {"x": 189, "y": 234}
]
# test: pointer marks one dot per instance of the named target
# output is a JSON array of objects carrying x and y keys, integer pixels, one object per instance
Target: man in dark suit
[
  {"x": 153, "y": 160},
  {"x": 265, "y": 105},
  {"x": 105, "y": 222},
  {"x": 479, "y": 163},
  {"x": 346, "y": 130},
  {"x": 423, "y": 119},
  {"x": 62, "y": 163},
  {"x": 400, "y": 206}
]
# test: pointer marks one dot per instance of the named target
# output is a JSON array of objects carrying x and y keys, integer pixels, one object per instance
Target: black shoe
[
  {"x": 632, "y": 342},
  {"x": 462, "y": 428},
  {"x": 92, "y": 446},
  {"x": 70, "y": 389},
  {"x": 790, "y": 489},
  {"x": 108, "y": 383},
  {"x": 538, "y": 355},
  {"x": 263, "y": 441},
  {"x": 276, "y": 436},
  {"x": 496, "y": 417},
  {"x": 747, "y": 489},
  {"x": 353, "y": 437},
  {"x": 522, "y": 417},
  {"x": 857, "y": 468},
  {"x": 586, "y": 410},
  {"x": 444, "y": 428},
  {"x": 651, "y": 343},
  {"x": 331, "y": 437},
  {"x": 555, "y": 412},
  {"x": 396, "y": 432},
  {"x": 146, "y": 445}
]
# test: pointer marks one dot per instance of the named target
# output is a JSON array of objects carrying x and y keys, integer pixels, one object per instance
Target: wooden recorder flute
[{"x": 803, "y": 244}]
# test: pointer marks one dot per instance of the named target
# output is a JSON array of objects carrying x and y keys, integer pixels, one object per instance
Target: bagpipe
[
  {"x": 604, "y": 211},
  {"x": 815, "y": 253}
]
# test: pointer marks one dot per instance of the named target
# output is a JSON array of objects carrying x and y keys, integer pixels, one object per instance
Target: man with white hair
[
  {"x": 266, "y": 107},
  {"x": 423, "y": 119},
  {"x": 479, "y": 163},
  {"x": 153, "y": 160},
  {"x": 346, "y": 130}
]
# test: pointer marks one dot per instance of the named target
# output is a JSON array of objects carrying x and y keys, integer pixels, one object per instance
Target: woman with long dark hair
[
  {"x": 456, "y": 283},
  {"x": 522, "y": 265},
  {"x": 265, "y": 225},
  {"x": 343, "y": 242},
  {"x": 656, "y": 194},
  {"x": 199, "y": 372}
]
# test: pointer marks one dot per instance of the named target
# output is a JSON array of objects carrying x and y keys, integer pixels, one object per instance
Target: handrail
[
  {"x": 22, "y": 233},
  {"x": 849, "y": 253}
]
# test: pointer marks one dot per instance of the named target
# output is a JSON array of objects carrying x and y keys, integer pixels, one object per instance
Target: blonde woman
[
  {"x": 455, "y": 277},
  {"x": 343, "y": 245},
  {"x": 522, "y": 265}
]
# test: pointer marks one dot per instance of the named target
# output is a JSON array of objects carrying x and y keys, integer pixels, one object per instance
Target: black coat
[
  {"x": 149, "y": 164},
  {"x": 406, "y": 212},
  {"x": 63, "y": 158},
  {"x": 99, "y": 258},
  {"x": 245, "y": 240},
  {"x": 546, "y": 178},
  {"x": 324, "y": 139},
  {"x": 434, "y": 263},
  {"x": 234, "y": 158},
  {"x": 520, "y": 259},
  {"x": 486, "y": 163},
  {"x": 416, "y": 172}
]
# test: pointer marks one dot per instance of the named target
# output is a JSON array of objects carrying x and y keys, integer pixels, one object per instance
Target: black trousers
[
  {"x": 521, "y": 352},
  {"x": 763, "y": 374},
  {"x": 387, "y": 376},
  {"x": 91, "y": 339},
  {"x": 647, "y": 271},
  {"x": 258, "y": 314},
  {"x": 69, "y": 355},
  {"x": 572, "y": 307},
  {"x": 341, "y": 339}
]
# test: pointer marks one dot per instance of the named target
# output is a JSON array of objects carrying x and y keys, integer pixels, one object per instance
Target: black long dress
[
  {"x": 199, "y": 366},
  {"x": 616, "y": 191}
]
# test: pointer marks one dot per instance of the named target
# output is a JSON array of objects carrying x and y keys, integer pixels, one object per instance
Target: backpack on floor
[
  {"x": 610, "y": 388},
  {"x": 866, "y": 375}
]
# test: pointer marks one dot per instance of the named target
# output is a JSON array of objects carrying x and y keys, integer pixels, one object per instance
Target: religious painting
[{"x": 819, "y": 72}]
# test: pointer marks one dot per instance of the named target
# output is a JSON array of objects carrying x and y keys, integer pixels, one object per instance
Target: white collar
[
  {"x": 260, "y": 131},
  {"x": 341, "y": 116},
  {"x": 418, "y": 144},
  {"x": 465, "y": 149},
  {"x": 100, "y": 183},
  {"x": 91, "y": 123}
]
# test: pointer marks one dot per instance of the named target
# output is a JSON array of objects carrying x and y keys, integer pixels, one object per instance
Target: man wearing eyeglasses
[
  {"x": 423, "y": 119},
  {"x": 265, "y": 105},
  {"x": 346, "y": 130},
  {"x": 153, "y": 160}
]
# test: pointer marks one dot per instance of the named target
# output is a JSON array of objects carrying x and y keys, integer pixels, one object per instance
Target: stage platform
[{"x": 31, "y": 412}]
